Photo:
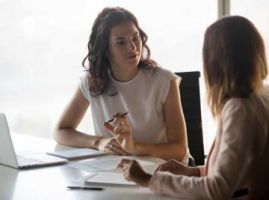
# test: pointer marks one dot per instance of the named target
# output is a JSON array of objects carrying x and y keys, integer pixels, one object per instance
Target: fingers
[
  {"x": 128, "y": 164},
  {"x": 108, "y": 126},
  {"x": 119, "y": 151},
  {"x": 114, "y": 147},
  {"x": 121, "y": 129},
  {"x": 174, "y": 167},
  {"x": 117, "y": 131},
  {"x": 119, "y": 117},
  {"x": 132, "y": 171},
  {"x": 167, "y": 165},
  {"x": 124, "y": 166},
  {"x": 124, "y": 163},
  {"x": 121, "y": 121},
  {"x": 117, "y": 114},
  {"x": 118, "y": 125}
]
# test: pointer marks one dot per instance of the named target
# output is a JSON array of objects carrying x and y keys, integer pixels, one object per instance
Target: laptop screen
[{"x": 7, "y": 152}]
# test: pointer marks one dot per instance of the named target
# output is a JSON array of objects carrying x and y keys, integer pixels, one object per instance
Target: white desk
[{"x": 51, "y": 182}]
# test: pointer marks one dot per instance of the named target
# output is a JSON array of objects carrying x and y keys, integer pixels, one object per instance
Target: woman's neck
[{"x": 124, "y": 75}]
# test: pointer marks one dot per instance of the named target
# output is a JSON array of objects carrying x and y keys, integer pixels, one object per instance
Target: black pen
[
  {"x": 121, "y": 115},
  {"x": 84, "y": 188}
]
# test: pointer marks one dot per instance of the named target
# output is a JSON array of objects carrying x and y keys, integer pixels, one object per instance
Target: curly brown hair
[{"x": 96, "y": 62}]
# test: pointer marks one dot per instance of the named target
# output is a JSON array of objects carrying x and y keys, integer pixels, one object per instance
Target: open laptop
[{"x": 9, "y": 158}]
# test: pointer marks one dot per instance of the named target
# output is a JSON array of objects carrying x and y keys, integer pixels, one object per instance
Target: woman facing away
[
  {"x": 121, "y": 77},
  {"x": 234, "y": 69}
]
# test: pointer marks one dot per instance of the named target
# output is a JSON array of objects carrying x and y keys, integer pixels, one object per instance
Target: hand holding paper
[{"x": 132, "y": 171}]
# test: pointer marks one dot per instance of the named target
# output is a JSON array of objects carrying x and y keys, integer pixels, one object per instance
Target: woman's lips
[{"x": 132, "y": 56}]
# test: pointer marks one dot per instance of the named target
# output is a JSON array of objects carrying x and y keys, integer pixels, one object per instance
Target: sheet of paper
[
  {"x": 108, "y": 179},
  {"x": 109, "y": 163},
  {"x": 78, "y": 153}
]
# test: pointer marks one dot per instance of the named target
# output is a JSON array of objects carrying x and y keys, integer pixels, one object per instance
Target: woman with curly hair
[{"x": 121, "y": 78}]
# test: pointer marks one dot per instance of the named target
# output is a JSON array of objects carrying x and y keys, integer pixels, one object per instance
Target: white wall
[{"x": 42, "y": 44}]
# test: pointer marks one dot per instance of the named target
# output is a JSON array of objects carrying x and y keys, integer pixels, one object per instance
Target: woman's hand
[
  {"x": 110, "y": 145},
  {"x": 132, "y": 171},
  {"x": 178, "y": 168},
  {"x": 122, "y": 131}
]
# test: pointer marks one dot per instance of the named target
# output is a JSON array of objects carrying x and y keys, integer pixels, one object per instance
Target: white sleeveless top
[{"x": 142, "y": 97}]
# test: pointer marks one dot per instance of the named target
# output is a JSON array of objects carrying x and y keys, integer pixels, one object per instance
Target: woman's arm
[
  {"x": 65, "y": 132},
  {"x": 233, "y": 159},
  {"x": 132, "y": 170}
]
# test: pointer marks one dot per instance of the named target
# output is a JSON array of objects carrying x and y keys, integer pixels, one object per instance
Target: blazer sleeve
[{"x": 231, "y": 166}]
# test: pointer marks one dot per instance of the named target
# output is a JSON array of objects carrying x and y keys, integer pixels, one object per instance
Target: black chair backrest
[{"x": 190, "y": 98}]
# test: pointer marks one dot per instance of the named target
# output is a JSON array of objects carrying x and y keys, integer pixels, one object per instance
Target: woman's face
[{"x": 125, "y": 46}]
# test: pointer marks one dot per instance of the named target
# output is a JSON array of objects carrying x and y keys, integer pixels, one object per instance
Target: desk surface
[{"x": 51, "y": 182}]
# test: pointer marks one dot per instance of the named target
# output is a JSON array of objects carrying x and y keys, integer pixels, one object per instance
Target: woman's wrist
[
  {"x": 135, "y": 149},
  {"x": 194, "y": 171},
  {"x": 95, "y": 142},
  {"x": 147, "y": 179}
]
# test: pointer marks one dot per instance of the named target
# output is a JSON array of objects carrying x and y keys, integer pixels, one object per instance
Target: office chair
[{"x": 190, "y": 98}]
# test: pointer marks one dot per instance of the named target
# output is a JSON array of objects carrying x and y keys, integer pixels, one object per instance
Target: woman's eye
[{"x": 121, "y": 43}]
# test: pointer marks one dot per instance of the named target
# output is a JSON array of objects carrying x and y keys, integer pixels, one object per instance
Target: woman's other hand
[
  {"x": 132, "y": 171},
  {"x": 110, "y": 145},
  {"x": 178, "y": 168}
]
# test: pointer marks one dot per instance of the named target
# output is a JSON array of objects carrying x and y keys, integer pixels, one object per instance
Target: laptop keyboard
[{"x": 22, "y": 161}]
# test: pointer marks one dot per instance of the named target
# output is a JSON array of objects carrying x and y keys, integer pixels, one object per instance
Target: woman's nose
[{"x": 132, "y": 45}]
